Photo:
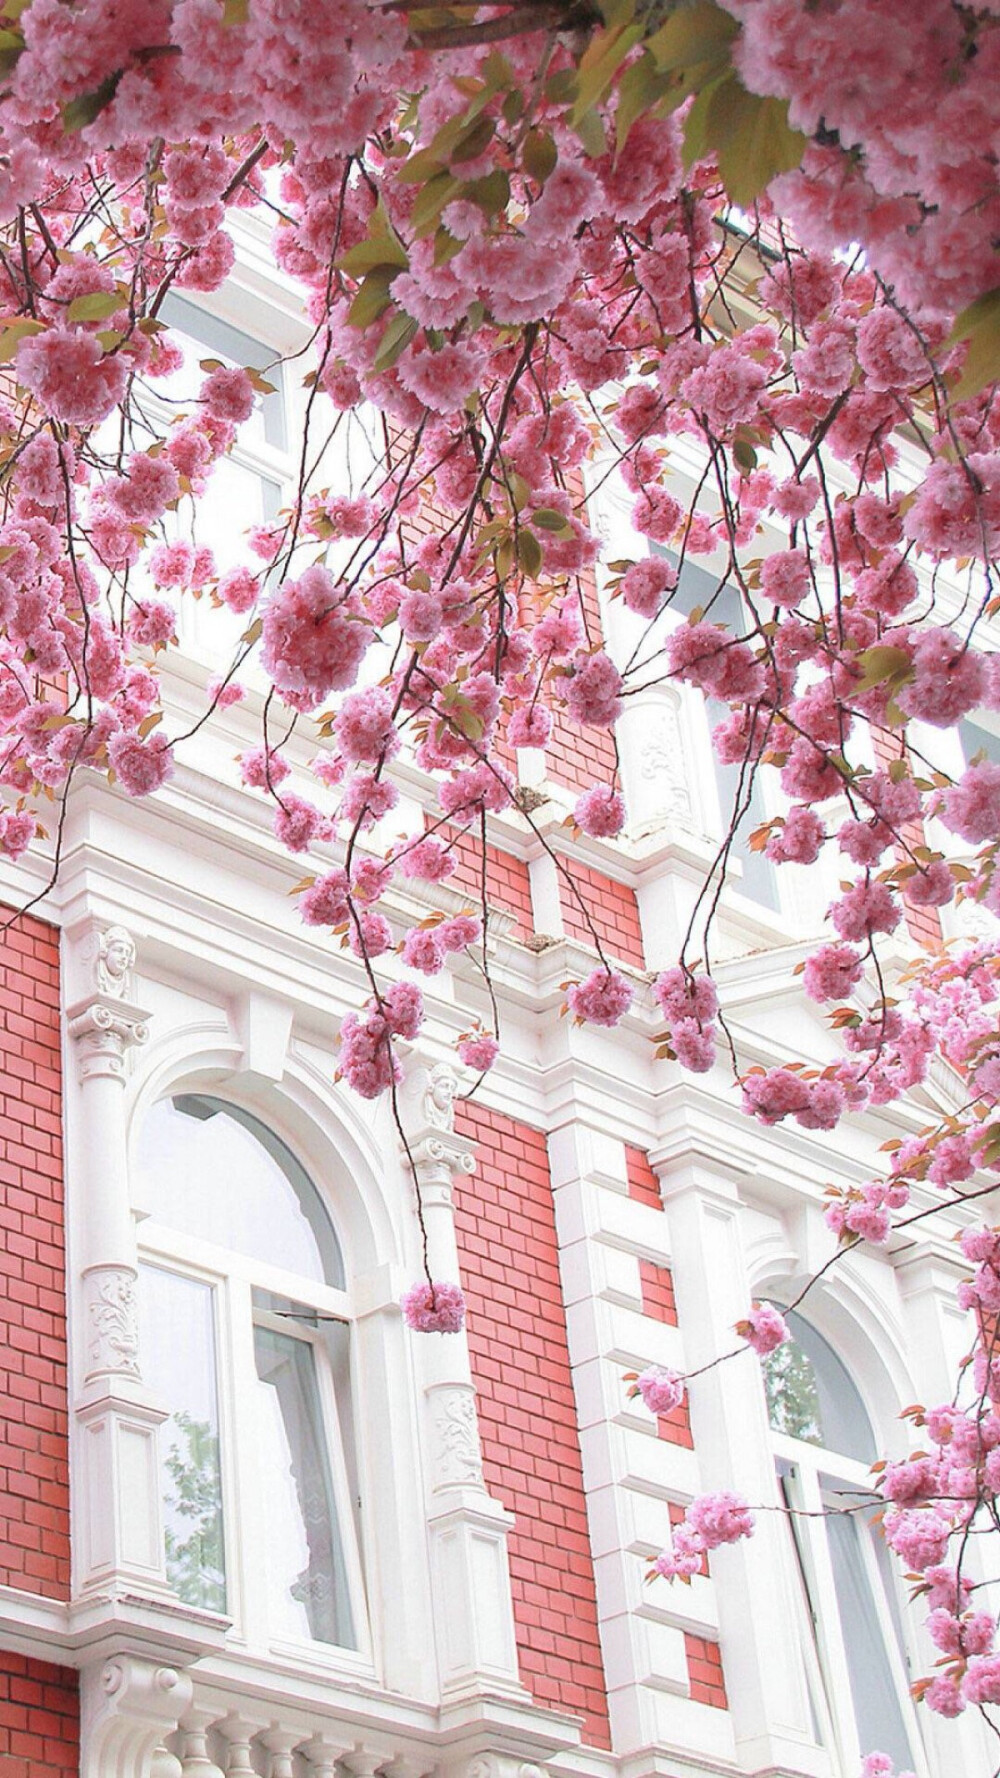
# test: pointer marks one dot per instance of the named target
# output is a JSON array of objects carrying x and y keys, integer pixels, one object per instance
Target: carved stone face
[{"x": 118, "y": 956}]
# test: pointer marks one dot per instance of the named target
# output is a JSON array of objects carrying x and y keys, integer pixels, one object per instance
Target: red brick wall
[
  {"x": 34, "y": 1490},
  {"x": 580, "y": 757},
  {"x": 922, "y": 924},
  {"x": 507, "y": 882},
  {"x": 704, "y": 1661},
  {"x": 39, "y": 1719},
  {"x": 612, "y": 908},
  {"x": 657, "y": 1286},
  {"x": 643, "y": 1184},
  {"x": 527, "y": 1412}
]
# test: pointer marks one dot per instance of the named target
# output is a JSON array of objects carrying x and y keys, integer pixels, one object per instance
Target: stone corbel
[
  {"x": 436, "y": 1151},
  {"x": 129, "y": 1707}
]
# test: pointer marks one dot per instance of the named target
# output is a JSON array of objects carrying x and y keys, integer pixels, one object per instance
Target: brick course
[
  {"x": 507, "y": 882},
  {"x": 39, "y": 1719},
  {"x": 704, "y": 1659},
  {"x": 643, "y": 1184},
  {"x": 527, "y": 1411},
  {"x": 612, "y": 908},
  {"x": 34, "y": 1462},
  {"x": 657, "y": 1285}
]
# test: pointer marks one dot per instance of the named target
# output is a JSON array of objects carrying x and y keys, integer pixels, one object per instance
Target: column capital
[
  {"x": 103, "y": 1030},
  {"x": 103, "y": 1018},
  {"x": 428, "y": 1112}
]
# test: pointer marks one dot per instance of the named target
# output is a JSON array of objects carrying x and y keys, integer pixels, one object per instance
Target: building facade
[{"x": 248, "y": 1522}]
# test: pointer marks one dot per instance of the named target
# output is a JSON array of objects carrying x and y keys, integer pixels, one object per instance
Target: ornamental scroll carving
[
  {"x": 662, "y": 765},
  {"x": 129, "y": 1707},
  {"x": 112, "y": 1322},
  {"x": 456, "y": 1457}
]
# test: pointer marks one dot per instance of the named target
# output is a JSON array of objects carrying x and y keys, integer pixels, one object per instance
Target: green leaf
[
  {"x": 491, "y": 192},
  {"x": 373, "y": 297},
  {"x": 639, "y": 88},
  {"x": 529, "y": 553},
  {"x": 694, "y": 42},
  {"x": 698, "y": 140},
  {"x": 97, "y": 305},
  {"x": 752, "y": 137},
  {"x": 538, "y": 155},
  {"x": 235, "y": 12},
  {"x": 884, "y": 665},
  {"x": 599, "y": 64},
  {"x": 474, "y": 141},
  {"x": 378, "y": 250},
  {"x": 591, "y": 132},
  {"x": 547, "y": 519},
  {"x": 980, "y": 325},
  {"x": 13, "y": 333},
  {"x": 397, "y": 336},
  {"x": 446, "y": 246},
  {"x": 82, "y": 110},
  {"x": 430, "y": 202}
]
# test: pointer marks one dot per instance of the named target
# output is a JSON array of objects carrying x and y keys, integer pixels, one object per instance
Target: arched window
[
  {"x": 246, "y": 1343},
  {"x": 851, "y": 1626}
]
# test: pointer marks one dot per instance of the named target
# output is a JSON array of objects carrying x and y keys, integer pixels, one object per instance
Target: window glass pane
[
  {"x": 873, "y": 1688},
  {"x": 178, "y": 1343},
  {"x": 724, "y": 606},
  {"x": 792, "y": 1396},
  {"x": 976, "y": 738},
  {"x": 213, "y": 1170},
  {"x": 307, "y": 1575},
  {"x": 206, "y": 336},
  {"x": 811, "y": 1395}
]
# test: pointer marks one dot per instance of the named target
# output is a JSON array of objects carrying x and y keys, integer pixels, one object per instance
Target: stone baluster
[
  {"x": 324, "y": 1755},
  {"x": 470, "y": 1573},
  {"x": 237, "y": 1732},
  {"x": 120, "y": 1541},
  {"x": 195, "y": 1761},
  {"x": 281, "y": 1744}
]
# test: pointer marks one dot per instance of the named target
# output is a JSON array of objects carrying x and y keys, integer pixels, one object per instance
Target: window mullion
[
  {"x": 806, "y": 1497},
  {"x": 247, "y": 1488}
]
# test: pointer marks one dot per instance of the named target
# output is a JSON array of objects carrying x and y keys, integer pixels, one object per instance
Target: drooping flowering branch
[{"x": 763, "y": 233}]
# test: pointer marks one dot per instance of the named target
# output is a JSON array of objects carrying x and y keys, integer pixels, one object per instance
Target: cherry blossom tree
[{"x": 535, "y": 242}]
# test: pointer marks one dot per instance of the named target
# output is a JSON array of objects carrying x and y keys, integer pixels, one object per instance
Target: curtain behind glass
[{"x": 306, "y": 1568}]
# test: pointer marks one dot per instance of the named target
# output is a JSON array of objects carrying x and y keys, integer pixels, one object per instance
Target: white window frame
[
  {"x": 233, "y": 1278},
  {"x": 812, "y": 1472}
]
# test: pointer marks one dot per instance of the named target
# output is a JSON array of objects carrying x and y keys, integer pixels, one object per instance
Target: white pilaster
[
  {"x": 470, "y": 1575},
  {"x": 765, "y": 1681},
  {"x": 118, "y": 1536}
]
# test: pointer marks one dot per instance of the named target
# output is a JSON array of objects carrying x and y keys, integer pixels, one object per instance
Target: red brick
[
  {"x": 705, "y": 1676},
  {"x": 643, "y": 1184},
  {"x": 596, "y": 908},
  {"x": 34, "y": 1528},
  {"x": 531, "y": 1448},
  {"x": 657, "y": 1285},
  {"x": 39, "y": 1719}
]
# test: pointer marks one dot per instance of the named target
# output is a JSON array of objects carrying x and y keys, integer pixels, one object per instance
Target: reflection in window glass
[
  {"x": 215, "y": 1171},
  {"x": 305, "y": 1557},
  {"x": 180, "y": 1366},
  {"x": 811, "y": 1395},
  {"x": 792, "y": 1396}
]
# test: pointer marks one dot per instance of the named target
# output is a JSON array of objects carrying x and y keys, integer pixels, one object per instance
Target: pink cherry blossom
[{"x": 434, "y": 1308}]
